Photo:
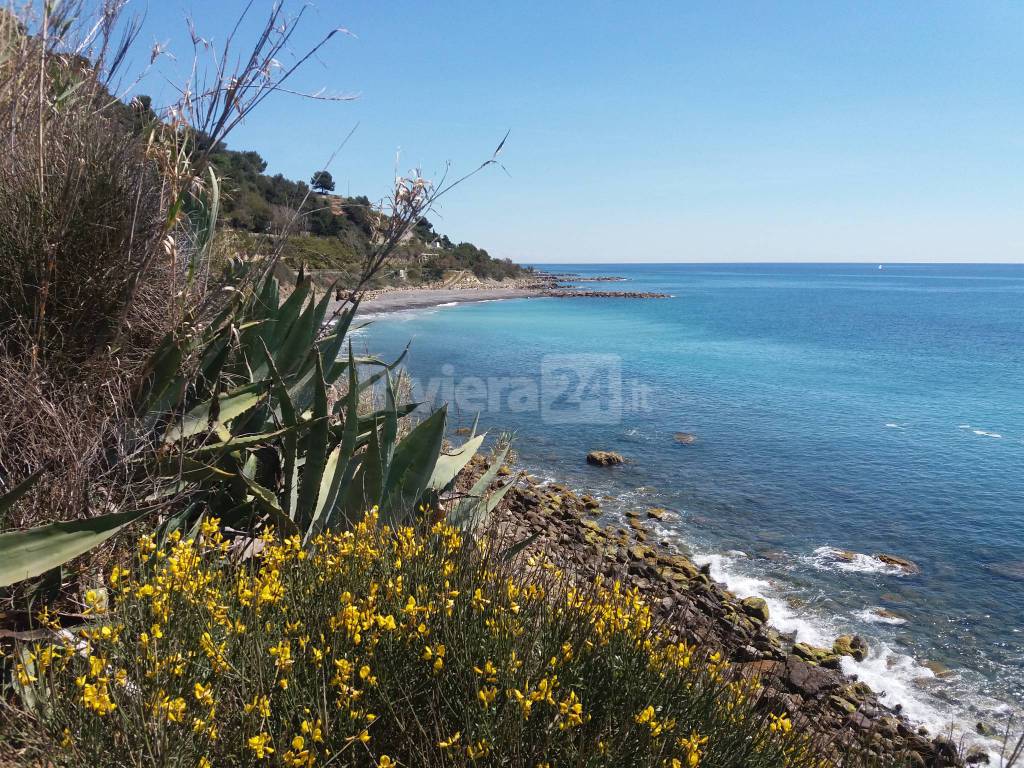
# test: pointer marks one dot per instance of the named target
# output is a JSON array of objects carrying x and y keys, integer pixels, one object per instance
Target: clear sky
[{"x": 668, "y": 131}]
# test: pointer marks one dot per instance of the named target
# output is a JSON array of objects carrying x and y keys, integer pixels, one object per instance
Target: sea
[{"x": 797, "y": 421}]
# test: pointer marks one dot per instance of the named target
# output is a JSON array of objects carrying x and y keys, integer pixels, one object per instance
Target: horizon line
[{"x": 815, "y": 263}]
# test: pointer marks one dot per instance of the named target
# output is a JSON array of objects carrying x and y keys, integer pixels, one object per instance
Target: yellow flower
[
  {"x": 203, "y": 693},
  {"x": 298, "y": 756},
  {"x": 386, "y": 762},
  {"x": 489, "y": 672},
  {"x": 282, "y": 653},
  {"x": 478, "y": 750},
  {"x": 260, "y": 744},
  {"x": 570, "y": 711},
  {"x": 204, "y": 762},
  {"x": 451, "y": 741},
  {"x": 487, "y": 696},
  {"x": 260, "y": 705},
  {"x": 97, "y": 698},
  {"x": 692, "y": 748},
  {"x": 781, "y": 724},
  {"x": 313, "y": 729}
]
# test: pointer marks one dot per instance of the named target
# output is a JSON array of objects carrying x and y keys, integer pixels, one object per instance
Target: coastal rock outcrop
[
  {"x": 853, "y": 646},
  {"x": 907, "y": 566},
  {"x": 605, "y": 458},
  {"x": 756, "y": 608},
  {"x": 804, "y": 681},
  {"x": 565, "y": 293}
]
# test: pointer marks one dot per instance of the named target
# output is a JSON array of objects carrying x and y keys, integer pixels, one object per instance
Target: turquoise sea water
[{"x": 835, "y": 407}]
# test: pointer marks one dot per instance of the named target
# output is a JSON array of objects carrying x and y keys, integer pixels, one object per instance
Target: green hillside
[{"x": 334, "y": 232}]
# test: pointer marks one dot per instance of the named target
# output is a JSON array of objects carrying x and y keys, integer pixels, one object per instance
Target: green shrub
[{"x": 381, "y": 647}]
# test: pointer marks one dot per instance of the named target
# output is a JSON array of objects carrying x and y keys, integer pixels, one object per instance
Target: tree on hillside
[{"x": 322, "y": 182}]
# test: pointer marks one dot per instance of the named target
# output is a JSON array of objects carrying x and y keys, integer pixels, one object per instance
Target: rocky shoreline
[
  {"x": 573, "y": 293},
  {"x": 805, "y": 681}
]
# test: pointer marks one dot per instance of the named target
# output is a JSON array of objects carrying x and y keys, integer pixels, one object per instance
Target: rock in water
[
  {"x": 685, "y": 438},
  {"x": 854, "y": 646},
  {"x": 756, "y": 608},
  {"x": 1011, "y": 570},
  {"x": 604, "y": 458},
  {"x": 907, "y": 566}
]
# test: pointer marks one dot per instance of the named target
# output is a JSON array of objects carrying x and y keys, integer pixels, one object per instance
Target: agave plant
[
  {"x": 236, "y": 422},
  {"x": 253, "y": 438}
]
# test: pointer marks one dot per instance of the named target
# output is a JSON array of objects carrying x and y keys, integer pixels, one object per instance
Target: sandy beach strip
[{"x": 418, "y": 298}]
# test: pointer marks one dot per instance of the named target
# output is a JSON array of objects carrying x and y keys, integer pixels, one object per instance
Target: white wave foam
[
  {"x": 894, "y": 425},
  {"x": 979, "y": 432},
  {"x": 871, "y": 616},
  {"x": 783, "y": 618},
  {"x": 832, "y": 559},
  {"x": 894, "y": 676},
  {"x": 448, "y": 304}
]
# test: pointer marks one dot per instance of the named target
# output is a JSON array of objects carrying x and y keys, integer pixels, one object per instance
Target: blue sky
[{"x": 667, "y": 131}]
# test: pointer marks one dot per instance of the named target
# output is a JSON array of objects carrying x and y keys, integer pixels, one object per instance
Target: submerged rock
[
  {"x": 940, "y": 670},
  {"x": 1011, "y": 570},
  {"x": 907, "y": 566},
  {"x": 604, "y": 458},
  {"x": 657, "y": 513},
  {"x": 885, "y": 613},
  {"x": 685, "y": 438}
]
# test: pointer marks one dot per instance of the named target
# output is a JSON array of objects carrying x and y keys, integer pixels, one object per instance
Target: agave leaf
[
  {"x": 267, "y": 501},
  {"x": 508, "y": 554},
  {"x": 290, "y": 448},
  {"x": 301, "y": 339},
  {"x": 392, "y": 412},
  {"x": 32, "y": 552},
  {"x": 339, "y": 367},
  {"x": 330, "y": 347},
  {"x": 246, "y": 441},
  {"x": 366, "y": 487},
  {"x": 471, "y": 510},
  {"x": 466, "y": 505},
  {"x": 188, "y": 469},
  {"x": 346, "y": 452},
  {"x": 286, "y": 315},
  {"x": 411, "y": 468},
  {"x": 177, "y": 522},
  {"x": 214, "y": 358},
  {"x": 479, "y": 514},
  {"x": 229, "y": 406},
  {"x": 317, "y": 446},
  {"x": 162, "y": 371},
  {"x": 449, "y": 465}
]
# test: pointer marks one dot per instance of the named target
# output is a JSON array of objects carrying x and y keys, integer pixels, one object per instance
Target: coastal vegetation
[
  {"x": 228, "y": 540},
  {"x": 322, "y": 230}
]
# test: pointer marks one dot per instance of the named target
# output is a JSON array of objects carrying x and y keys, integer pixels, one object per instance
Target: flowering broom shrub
[{"x": 379, "y": 647}]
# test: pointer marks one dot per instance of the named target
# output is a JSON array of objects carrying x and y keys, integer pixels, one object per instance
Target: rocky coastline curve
[{"x": 804, "y": 681}]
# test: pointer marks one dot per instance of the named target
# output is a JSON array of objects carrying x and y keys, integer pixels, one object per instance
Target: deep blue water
[{"x": 834, "y": 406}]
